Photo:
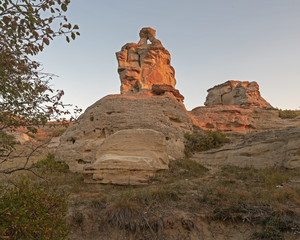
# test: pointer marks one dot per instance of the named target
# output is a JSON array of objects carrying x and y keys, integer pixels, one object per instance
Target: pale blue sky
[{"x": 210, "y": 42}]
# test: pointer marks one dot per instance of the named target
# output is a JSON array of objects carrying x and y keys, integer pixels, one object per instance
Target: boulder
[
  {"x": 80, "y": 143},
  {"x": 236, "y": 93},
  {"x": 279, "y": 148},
  {"x": 142, "y": 65},
  {"x": 128, "y": 157}
]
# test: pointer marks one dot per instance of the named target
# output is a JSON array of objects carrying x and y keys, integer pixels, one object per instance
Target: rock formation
[
  {"x": 236, "y": 106},
  {"x": 80, "y": 143},
  {"x": 236, "y": 93},
  {"x": 128, "y": 157},
  {"x": 266, "y": 149},
  {"x": 144, "y": 64},
  {"x": 127, "y": 137},
  {"x": 236, "y": 118}
]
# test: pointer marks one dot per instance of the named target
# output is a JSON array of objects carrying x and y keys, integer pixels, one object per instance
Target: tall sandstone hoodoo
[{"x": 146, "y": 67}]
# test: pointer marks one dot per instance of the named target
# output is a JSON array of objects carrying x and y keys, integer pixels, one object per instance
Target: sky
[{"x": 210, "y": 42}]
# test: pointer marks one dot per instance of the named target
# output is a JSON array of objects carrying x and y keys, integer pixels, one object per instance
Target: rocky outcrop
[
  {"x": 80, "y": 143},
  {"x": 266, "y": 149},
  {"x": 236, "y": 93},
  {"x": 128, "y": 157},
  {"x": 236, "y": 118},
  {"x": 236, "y": 106},
  {"x": 144, "y": 64}
]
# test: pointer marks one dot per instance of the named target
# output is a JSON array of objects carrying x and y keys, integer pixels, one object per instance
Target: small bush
[
  {"x": 288, "y": 114},
  {"x": 125, "y": 214},
  {"x": 273, "y": 228},
  {"x": 79, "y": 218},
  {"x": 197, "y": 142},
  {"x": 32, "y": 212},
  {"x": 7, "y": 142},
  {"x": 58, "y": 132},
  {"x": 187, "y": 168},
  {"x": 49, "y": 164}
]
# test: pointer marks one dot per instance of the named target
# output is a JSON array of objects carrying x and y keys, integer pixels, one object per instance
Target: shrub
[
  {"x": 273, "y": 227},
  {"x": 49, "y": 164},
  {"x": 7, "y": 142},
  {"x": 32, "y": 212},
  {"x": 58, "y": 132},
  {"x": 288, "y": 113},
  {"x": 197, "y": 142},
  {"x": 186, "y": 168}
]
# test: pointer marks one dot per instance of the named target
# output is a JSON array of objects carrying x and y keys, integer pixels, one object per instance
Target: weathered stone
[
  {"x": 128, "y": 157},
  {"x": 236, "y": 93},
  {"x": 160, "y": 89},
  {"x": 80, "y": 143},
  {"x": 265, "y": 149},
  {"x": 236, "y": 118},
  {"x": 143, "y": 65}
]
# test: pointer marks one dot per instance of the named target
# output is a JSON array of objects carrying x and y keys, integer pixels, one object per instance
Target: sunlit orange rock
[
  {"x": 236, "y": 106},
  {"x": 144, "y": 64},
  {"x": 241, "y": 93}
]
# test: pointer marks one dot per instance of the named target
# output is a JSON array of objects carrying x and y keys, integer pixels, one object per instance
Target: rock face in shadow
[
  {"x": 266, "y": 149},
  {"x": 236, "y": 93},
  {"x": 142, "y": 65},
  {"x": 128, "y": 157},
  {"x": 236, "y": 118},
  {"x": 80, "y": 143}
]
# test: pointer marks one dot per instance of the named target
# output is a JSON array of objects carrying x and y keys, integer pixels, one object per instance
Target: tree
[{"x": 26, "y": 97}]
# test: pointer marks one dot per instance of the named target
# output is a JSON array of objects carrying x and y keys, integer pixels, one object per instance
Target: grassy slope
[{"x": 184, "y": 203}]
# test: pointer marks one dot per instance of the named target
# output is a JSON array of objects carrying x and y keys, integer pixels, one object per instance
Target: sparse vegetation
[
  {"x": 49, "y": 164},
  {"x": 201, "y": 141},
  {"x": 32, "y": 212},
  {"x": 186, "y": 168},
  {"x": 78, "y": 217},
  {"x": 58, "y": 132},
  {"x": 288, "y": 114},
  {"x": 265, "y": 198},
  {"x": 7, "y": 142}
]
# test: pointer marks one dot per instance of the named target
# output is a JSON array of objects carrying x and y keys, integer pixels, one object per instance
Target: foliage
[
  {"x": 26, "y": 27},
  {"x": 58, "y": 132},
  {"x": 273, "y": 227},
  {"x": 197, "y": 142},
  {"x": 7, "y": 143},
  {"x": 186, "y": 168},
  {"x": 288, "y": 114},
  {"x": 78, "y": 217},
  {"x": 32, "y": 212},
  {"x": 49, "y": 164}
]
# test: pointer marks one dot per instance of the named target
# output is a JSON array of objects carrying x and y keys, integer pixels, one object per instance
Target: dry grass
[{"x": 267, "y": 197}]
